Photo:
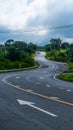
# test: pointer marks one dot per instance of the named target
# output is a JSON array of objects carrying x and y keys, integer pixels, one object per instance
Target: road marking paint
[
  {"x": 41, "y": 78},
  {"x": 47, "y": 85},
  {"x": 38, "y": 94},
  {"x": 54, "y": 77},
  {"x": 29, "y": 90},
  {"x": 31, "y": 104},
  {"x": 49, "y": 113},
  {"x": 28, "y": 78},
  {"x": 17, "y": 77},
  {"x": 68, "y": 90},
  {"x": 55, "y": 97},
  {"x": 17, "y": 86}
]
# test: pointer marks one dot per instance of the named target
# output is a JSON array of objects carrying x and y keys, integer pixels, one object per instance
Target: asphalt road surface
[{"x": 35, "y": 99}]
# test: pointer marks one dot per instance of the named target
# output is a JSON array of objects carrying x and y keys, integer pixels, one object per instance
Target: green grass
[
  {"x": 17, "y": 70},
  {"x": 66, "y": 77}
]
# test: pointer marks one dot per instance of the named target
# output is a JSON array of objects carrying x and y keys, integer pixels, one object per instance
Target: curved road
[{"x": 35, "y": 99}]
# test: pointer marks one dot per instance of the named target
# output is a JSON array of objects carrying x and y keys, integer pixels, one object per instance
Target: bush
[
  {"x": 66, "y": 77},
  {"x": 71, "y": 66},
  {"x": 25, "y": 61}
]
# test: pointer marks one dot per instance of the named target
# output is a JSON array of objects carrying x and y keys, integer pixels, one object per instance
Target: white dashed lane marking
[
  {"x": 41, "y": 78},
  {"x": 68, "y": 90},
  {"x": 29, "y": 90},
  {"x": 17, "y": 77},
  {"x": 55, "y": 97},
  {"x": 47, "y": 85}
]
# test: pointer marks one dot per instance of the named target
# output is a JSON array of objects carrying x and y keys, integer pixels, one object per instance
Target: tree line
[
  {"x": 59, "y": 51},
  {"x": 19, "y": 54}
]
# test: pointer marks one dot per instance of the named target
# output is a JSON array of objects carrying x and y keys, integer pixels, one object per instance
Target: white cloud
[
  {"x": 16, "y": 13},
  {"x": 42, "y": 33}
]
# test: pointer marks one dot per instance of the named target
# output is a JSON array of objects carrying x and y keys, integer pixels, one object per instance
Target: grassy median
[{"x": 66, "y": 77}]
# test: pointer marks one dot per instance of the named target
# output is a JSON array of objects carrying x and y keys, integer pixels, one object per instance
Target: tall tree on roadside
[
  {"x": 56, "y": 43},
  {"x": 9, "y": 42},
  {"x": 64, "y": 45}
]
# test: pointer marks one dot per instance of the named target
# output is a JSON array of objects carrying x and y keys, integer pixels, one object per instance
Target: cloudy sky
[{"x": 21, "y": 15}]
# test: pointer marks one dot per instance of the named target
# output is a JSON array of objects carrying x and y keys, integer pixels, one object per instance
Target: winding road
[{"x": 35, "y": 99}]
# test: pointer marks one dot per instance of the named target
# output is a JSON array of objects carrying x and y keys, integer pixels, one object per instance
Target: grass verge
[
  {"x": 21, "y": 69},
  {"x": 66, "y": 77}
]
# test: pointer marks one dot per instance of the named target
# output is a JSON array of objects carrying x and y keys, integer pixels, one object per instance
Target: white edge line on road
[{"x": 54, "y": 77}]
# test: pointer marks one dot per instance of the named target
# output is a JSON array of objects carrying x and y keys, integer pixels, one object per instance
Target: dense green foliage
[
  {"x": 59, "y": 51},
  {"x": 16, "y": 54},
  {"x": 63, "y": 52},
  {"x": 70, "y": 66},
  {"x": 66, "y": 77}
]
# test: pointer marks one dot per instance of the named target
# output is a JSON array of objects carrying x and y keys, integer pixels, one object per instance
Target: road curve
[{"x": 45, "y": 102}]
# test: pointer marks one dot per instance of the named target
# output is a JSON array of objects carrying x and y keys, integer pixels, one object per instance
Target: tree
[
  {"x": 56, "y": 43},
  {"x": 2, "y": 48},
  {"x": 64, "y": 45},
  {"x": 9, "y": 42},
  {"x": 20, "y": 45},
  {"x": 71, "y": 51},
  {"x": 13, "y": 54},
  {"x": 31, "y": 48},
  {"x": 48, "y": 47}
]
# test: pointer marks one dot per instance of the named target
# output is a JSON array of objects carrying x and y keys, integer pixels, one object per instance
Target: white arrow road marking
[{"x": 31, "y": 104}]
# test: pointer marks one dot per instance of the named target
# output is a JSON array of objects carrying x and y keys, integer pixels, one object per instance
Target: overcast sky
[{"x": 24, "y": 14}]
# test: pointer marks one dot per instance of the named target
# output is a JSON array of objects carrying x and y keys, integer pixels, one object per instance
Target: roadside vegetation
[
  {"x": 59, "y": 51},
  {"x": 16, "y": 54},
  {"x": 66, "y": 77},
  {"x": 62, "y": 52},
  {"x": 70, "y": 66}
]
